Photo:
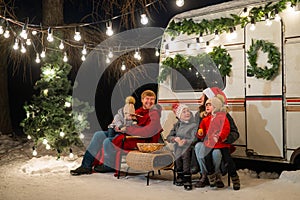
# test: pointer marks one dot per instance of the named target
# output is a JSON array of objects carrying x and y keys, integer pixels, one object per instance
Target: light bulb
[
  {"x": 50, "y": 35},
  {"x": 110, "y": 53},
  {"x": 34, "y": 32},
  {"x": 179, "y": 3},
  {"x": 84, "y": 52},
  {"x": 48, "y": 146},
  {"x": 109, "y": 30},
  {"x": 1, "y": 30},
  {"x": 123, "y": 66},
  {"x": 144, "y": 19},
  {"x": 45, "y": 92},
  {"x": 43, "y": 54},
  {"x": 34, "y": 152},
  {"x": 37, "y": 59},
  {"x": 28, "y": 41},
  {"x": 28, "y": 137},
  {"x": 6, "y": 33},
  {"x": 156, "y": 52},
  {"x": 77, "y": 36},
  {"x": 23, "y": 49},
  {"x": 16, "y": 45},
  {"x": 81, "y": 136},
  {"x": 61, "y": 134},
  {"x": 217, "y": 37},
  {"x": 45, "y": 141},
  {"x": 65, "y": 58},
  {"x": 67, "y": 104},
  {"x": 23, "y": 34},
  {"x": 107, "y": 60},
  {"x": 83, "y": 58},
  {"x": 61, "y": 45},
  {"x": 71, "y": 155}
]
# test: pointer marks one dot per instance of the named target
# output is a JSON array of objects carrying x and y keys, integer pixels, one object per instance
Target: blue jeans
[
  {"x": 201, "y": 151},
  {"x": 94, "y": 147}
]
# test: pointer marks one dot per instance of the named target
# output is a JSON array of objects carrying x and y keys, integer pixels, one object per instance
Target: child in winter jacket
[
  {"x": 215, "y": 128},
  {"x": 183, "y": 134}
]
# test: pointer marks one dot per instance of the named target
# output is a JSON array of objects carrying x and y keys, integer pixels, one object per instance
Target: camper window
[{"x": 187, "y": 80}]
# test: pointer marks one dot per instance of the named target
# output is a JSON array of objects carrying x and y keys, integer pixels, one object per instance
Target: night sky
[{"x": 21, "y": 88}]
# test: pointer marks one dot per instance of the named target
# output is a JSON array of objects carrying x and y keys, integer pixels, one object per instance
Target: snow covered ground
[{"x": 25, "y": 177}]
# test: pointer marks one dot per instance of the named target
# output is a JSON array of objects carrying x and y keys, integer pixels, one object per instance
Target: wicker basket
[{"x": 149, "y": 147}]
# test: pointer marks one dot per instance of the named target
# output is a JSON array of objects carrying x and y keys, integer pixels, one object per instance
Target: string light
[
  {"x": 217, "y": 37},
  {"x": 77, "y": 36},
  {"x": 43, "y": 54},
  {"x": 109, "y": 30},
  {"x": 252, "y": 26},
  {"x": 61, "y": 45},
  {"x": 65, "y": 58},
  {"x": 50, "y": 35},
  {"x": 144, "y": 19},
  {"x": 84, "y": 51},
  {"x": 123, "y": 66},
  {"x": 277, "y": 17},
  {"x": 268, "y": 21},
  {"x": 33, "y": 32},
  {"x": 107, "y": 60},
  {"x": 6, "y": 33},
  {"x": 71, "y": 155},
  {"x": 244, "y": 13},
  {"x": 81, "y": 136},
  {"x": 28, "y": 137},
  {"x": 23, "y": 49},
  {"x": 83, "y": 58},
  {"x": 34, "y": 152},
  {"x": 61, "y": 134},
  {"x": 28, "y": 41},
  {"x": 48, "y": 146},
  {"x": 1, "y": 30},
  {"x": 16, "y": 45},
  {"x": 179, "y": 3},
  {"x": 37, "y": 59},
  {"x": 23, "y": 33},
  {"x": 110, "y": 53},
  {"x": 201, "y": 37},
  {"x": 156, "y": 52}
]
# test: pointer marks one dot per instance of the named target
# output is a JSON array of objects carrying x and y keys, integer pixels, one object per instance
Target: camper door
[{"x": 264, "y": 107}]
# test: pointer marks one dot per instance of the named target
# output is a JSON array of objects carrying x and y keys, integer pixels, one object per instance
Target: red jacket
[
  {"x": 215, "y": 129},
  {"x": 148, "y": 127}
]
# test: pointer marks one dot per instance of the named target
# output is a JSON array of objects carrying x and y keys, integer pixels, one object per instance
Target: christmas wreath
[{"x": 273, "y": 60}]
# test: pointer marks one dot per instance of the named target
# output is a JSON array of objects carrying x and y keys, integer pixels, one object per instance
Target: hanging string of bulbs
[{"x": 24, "y": 34}]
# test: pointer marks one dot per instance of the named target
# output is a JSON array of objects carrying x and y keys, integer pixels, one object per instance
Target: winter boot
[
  {"x": 179, "y": 179},
  {"x": 236, "y": 182},
  {"x": 212, "y": 180},
  {"x": 187, "y": 182},
  {"x": 219, "y": 182},
  {"x": 202, "y": 181}
]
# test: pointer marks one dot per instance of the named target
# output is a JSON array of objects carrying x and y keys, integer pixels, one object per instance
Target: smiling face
[{"x": 148, "y": 102}]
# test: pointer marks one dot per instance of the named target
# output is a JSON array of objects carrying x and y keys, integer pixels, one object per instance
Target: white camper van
[{"x": 265, "y": 108}]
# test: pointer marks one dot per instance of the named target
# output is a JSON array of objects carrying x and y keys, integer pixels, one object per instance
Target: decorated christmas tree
[{"x": 50, "y": 116}]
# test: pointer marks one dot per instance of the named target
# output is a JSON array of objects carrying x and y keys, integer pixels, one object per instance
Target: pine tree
[{"x": 50, "y": 118}]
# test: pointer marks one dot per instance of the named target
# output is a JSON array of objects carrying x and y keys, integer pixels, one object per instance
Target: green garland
[
  {"x": 273, "y": 59},
  {"x": 224, "y": 24},
  {"x": 219, "y": 55}
]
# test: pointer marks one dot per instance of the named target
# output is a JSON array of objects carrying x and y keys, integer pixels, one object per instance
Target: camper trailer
[{"x": 262, "y": 86}]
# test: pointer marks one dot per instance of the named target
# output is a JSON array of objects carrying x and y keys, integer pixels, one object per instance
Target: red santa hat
[
  {"x": 178, "y": 108},
  {"x": 214, "y": 91}
]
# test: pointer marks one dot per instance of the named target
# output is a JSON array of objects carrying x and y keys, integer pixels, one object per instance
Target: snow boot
[
  {"x": 219, "y": 182},
  {"x": 236, "y": 182},
  {"x": 202, "y": 181},
  {"x": 187, "y": 182},
  {"x": 212, "y": 180},
  {"x": 179, "y": 179}
]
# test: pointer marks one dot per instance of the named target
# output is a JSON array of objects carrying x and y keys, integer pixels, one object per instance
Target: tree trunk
[
  {"x": 5, "y": 120},
  {"x": 53, "y": 12}
]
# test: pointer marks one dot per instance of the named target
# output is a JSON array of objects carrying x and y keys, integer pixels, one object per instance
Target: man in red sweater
[{"x": 148, "y": 128}]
